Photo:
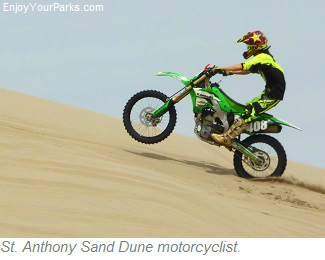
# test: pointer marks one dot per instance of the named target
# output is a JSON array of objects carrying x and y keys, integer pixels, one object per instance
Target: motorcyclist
[{"x": 264, "y": 64}]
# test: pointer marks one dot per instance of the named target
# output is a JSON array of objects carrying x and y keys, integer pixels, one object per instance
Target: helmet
[{"x": 255, "y": 41}]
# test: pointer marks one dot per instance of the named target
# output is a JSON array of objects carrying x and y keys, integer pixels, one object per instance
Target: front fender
[{"x": 175, "y": 75}]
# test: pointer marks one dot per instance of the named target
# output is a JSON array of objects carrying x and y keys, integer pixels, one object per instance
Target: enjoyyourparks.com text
[{"x": 17, "y": 8}]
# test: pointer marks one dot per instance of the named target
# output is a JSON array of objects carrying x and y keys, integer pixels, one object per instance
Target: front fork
[{"x": 164, "y": 108}]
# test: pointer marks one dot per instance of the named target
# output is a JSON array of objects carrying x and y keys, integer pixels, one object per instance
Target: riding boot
[{"x": 239, "y": 126}]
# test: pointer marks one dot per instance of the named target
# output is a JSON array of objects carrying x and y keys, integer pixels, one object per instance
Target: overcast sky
[{"x": 98, "y": 60}]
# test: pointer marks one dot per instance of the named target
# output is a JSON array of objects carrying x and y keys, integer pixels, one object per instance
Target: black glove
[
  {"x": 211, "y": 71},
  {"x": 226, "y": 73}
]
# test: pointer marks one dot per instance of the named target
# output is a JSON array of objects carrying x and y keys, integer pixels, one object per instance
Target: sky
[{"x": 98, "y": 60}]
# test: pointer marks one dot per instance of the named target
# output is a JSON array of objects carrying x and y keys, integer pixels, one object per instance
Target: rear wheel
[
  {"x": 273, "y": 159},
  {"x": 138, "y": 121}
]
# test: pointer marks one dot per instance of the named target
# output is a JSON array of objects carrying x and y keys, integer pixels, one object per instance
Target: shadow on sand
[{"x": 208, "y": 167}]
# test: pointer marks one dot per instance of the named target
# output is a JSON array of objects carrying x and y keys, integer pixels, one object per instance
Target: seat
[
  {"x": 233, "y": 101},
  {"x": 239, "y": 104}
]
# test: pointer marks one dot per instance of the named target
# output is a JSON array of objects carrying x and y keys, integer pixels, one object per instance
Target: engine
[{"x": 208, "y": 122}]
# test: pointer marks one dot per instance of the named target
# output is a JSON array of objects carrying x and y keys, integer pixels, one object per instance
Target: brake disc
[{"x": 146, "y": 117}]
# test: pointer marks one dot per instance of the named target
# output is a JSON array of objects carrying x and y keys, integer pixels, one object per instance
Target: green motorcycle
[{"x": 150, "y": 117}]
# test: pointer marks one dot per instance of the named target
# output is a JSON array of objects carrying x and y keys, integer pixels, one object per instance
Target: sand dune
[{"x": 68, "y": 172}]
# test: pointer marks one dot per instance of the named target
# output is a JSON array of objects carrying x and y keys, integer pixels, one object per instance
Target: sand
[{"x": 69, "y": 172}]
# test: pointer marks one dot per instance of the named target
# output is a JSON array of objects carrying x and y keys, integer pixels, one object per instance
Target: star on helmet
[{"x": 256, "y": 37}]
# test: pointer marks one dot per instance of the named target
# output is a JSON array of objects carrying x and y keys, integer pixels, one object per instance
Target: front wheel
[
  {"x": 273, "y": 159},
  {"x": 138, "y": 121}
]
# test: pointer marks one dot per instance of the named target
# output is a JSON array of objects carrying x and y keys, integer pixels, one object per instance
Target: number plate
[{"x": 257, "y": 126}]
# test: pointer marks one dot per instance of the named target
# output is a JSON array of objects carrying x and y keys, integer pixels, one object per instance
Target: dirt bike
[{"x": 150, "y": 117}]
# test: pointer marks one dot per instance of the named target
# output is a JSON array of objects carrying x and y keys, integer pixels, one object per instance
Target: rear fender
[{"x": 279, "y": 121}]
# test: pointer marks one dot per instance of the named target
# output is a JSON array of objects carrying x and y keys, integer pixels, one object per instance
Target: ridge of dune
[{"x": 69, "y": 172}]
